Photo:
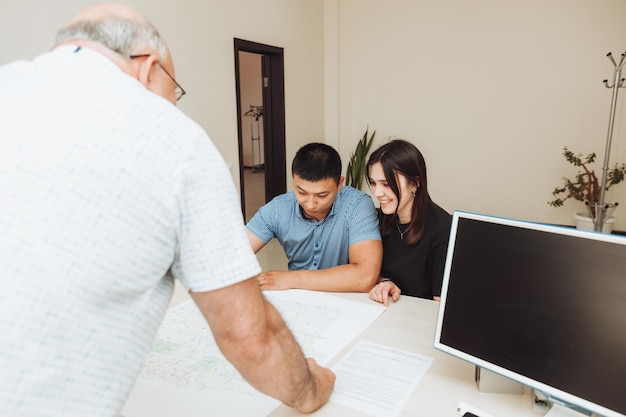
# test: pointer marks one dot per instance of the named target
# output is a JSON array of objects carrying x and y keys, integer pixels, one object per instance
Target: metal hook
[
  {"x": 620, "y": 85},
  {"x": 610, "y": 55},
  {"x": 621, "y": 62}
]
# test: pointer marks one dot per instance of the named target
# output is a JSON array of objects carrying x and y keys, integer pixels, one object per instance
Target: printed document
[{"x": 377, "y": 379}]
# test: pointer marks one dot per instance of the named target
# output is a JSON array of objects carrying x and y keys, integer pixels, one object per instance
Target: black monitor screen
[{"x": 543, "y": 305}]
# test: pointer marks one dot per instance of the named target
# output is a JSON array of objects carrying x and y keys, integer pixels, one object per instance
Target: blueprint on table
[{"x": 186, "y": 375}]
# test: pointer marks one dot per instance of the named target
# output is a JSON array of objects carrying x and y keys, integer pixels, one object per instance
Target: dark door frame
[{"x": 273, "y": 115}]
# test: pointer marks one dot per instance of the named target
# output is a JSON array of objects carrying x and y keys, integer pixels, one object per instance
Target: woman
[{"x": 415, "y": 230}]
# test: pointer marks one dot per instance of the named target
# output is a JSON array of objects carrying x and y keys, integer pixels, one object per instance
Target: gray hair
[{"x": 124, "y": 36}]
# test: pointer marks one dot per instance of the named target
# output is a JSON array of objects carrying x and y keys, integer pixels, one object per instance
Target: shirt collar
[{"x": 332, "y": 212}]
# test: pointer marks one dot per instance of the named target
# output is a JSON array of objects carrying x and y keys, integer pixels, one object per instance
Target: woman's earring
[{"x": 413, "y": 193}]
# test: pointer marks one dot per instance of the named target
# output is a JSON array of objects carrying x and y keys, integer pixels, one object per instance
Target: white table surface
[{"x": 409, "y": 324}]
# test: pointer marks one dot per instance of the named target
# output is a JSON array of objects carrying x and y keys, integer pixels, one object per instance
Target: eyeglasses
[{"x": 179, "y": 91}]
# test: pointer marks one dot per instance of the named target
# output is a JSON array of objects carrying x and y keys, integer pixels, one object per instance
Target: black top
[{"x": 418, "y": 269}]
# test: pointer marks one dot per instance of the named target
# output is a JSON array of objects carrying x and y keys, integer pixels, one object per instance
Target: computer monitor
[{"x": 542, "y": 305}]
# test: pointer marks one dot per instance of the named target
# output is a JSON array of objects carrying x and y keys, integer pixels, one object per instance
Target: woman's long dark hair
[{"x": 400, "y": 157}]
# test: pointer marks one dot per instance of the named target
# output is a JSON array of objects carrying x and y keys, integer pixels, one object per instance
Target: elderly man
[{"x": 108, "y": 194}]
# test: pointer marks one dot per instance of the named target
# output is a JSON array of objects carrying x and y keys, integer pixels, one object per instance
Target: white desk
[{"x": 409, "y": 324}]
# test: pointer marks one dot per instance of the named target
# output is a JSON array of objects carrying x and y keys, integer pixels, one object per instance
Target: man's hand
[
  {"x": 383, "y": 290},
  {"x": 275, "y": 280},
  {"x": 324, "y": 382}
]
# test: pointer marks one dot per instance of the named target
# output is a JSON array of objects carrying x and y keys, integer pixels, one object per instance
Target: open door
[{"x": 259, "y": 75}]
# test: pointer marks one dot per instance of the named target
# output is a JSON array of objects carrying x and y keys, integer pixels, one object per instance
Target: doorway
[{"x": 259, "y": 75}]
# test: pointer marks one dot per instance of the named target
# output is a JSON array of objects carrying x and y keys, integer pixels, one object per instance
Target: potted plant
[
  {"x": 587, "y": 187},
  {"x": 355, "y": 172}
]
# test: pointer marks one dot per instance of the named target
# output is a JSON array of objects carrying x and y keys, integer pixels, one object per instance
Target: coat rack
[
  {"x": 602, "y": 210},
  {"x": 255, "y": 113}
]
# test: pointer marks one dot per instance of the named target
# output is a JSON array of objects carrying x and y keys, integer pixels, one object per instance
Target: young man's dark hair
[{"x": 317, "y": 161}]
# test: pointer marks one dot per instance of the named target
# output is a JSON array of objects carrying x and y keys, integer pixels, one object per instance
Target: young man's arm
[
  {"x": 254, "y": 338},
  {"x": 359, "y": 275}
]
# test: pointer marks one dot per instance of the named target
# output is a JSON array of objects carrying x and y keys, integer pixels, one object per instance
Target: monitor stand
[
  {"x": 488, "y": 381},
  {"x": 561, "y": 411}
]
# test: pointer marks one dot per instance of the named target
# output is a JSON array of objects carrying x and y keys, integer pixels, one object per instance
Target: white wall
[
  {"x": 200, "y": 35},
  {"x": 489, "y": 90}
]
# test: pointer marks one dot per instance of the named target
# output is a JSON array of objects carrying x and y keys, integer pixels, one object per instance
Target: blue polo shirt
[{"x": 311, "y": 244}]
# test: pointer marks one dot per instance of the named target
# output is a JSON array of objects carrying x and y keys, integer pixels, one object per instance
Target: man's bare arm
[
  {"x": 359, "y": 275},
  {"x": 254, "y": 338}
]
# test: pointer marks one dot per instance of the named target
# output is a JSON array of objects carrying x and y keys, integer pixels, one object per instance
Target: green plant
[
  {"x": 355, "y": 172},
  {"x": 585, "y": 186}
]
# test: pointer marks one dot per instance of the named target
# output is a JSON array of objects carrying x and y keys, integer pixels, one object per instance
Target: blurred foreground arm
[{"x": 254, "y": 338}]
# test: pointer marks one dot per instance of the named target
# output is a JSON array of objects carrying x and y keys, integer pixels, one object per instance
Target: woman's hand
[{"x": 383, "y": 289}]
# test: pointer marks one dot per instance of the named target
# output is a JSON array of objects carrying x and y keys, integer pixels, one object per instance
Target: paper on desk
[
  {"x": 185, "y": 374},
  {"x": 377, "y": 379}
]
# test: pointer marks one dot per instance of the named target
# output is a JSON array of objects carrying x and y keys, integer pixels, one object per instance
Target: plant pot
[{"x": 584, "y": 222}]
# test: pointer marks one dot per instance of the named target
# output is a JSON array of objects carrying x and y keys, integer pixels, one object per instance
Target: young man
[
  {"x": 329, "y": 232},
  {"x": 107, "y": 195}
]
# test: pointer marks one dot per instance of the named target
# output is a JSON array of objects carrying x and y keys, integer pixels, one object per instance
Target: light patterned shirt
[{"x": 107, "y": 194}]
